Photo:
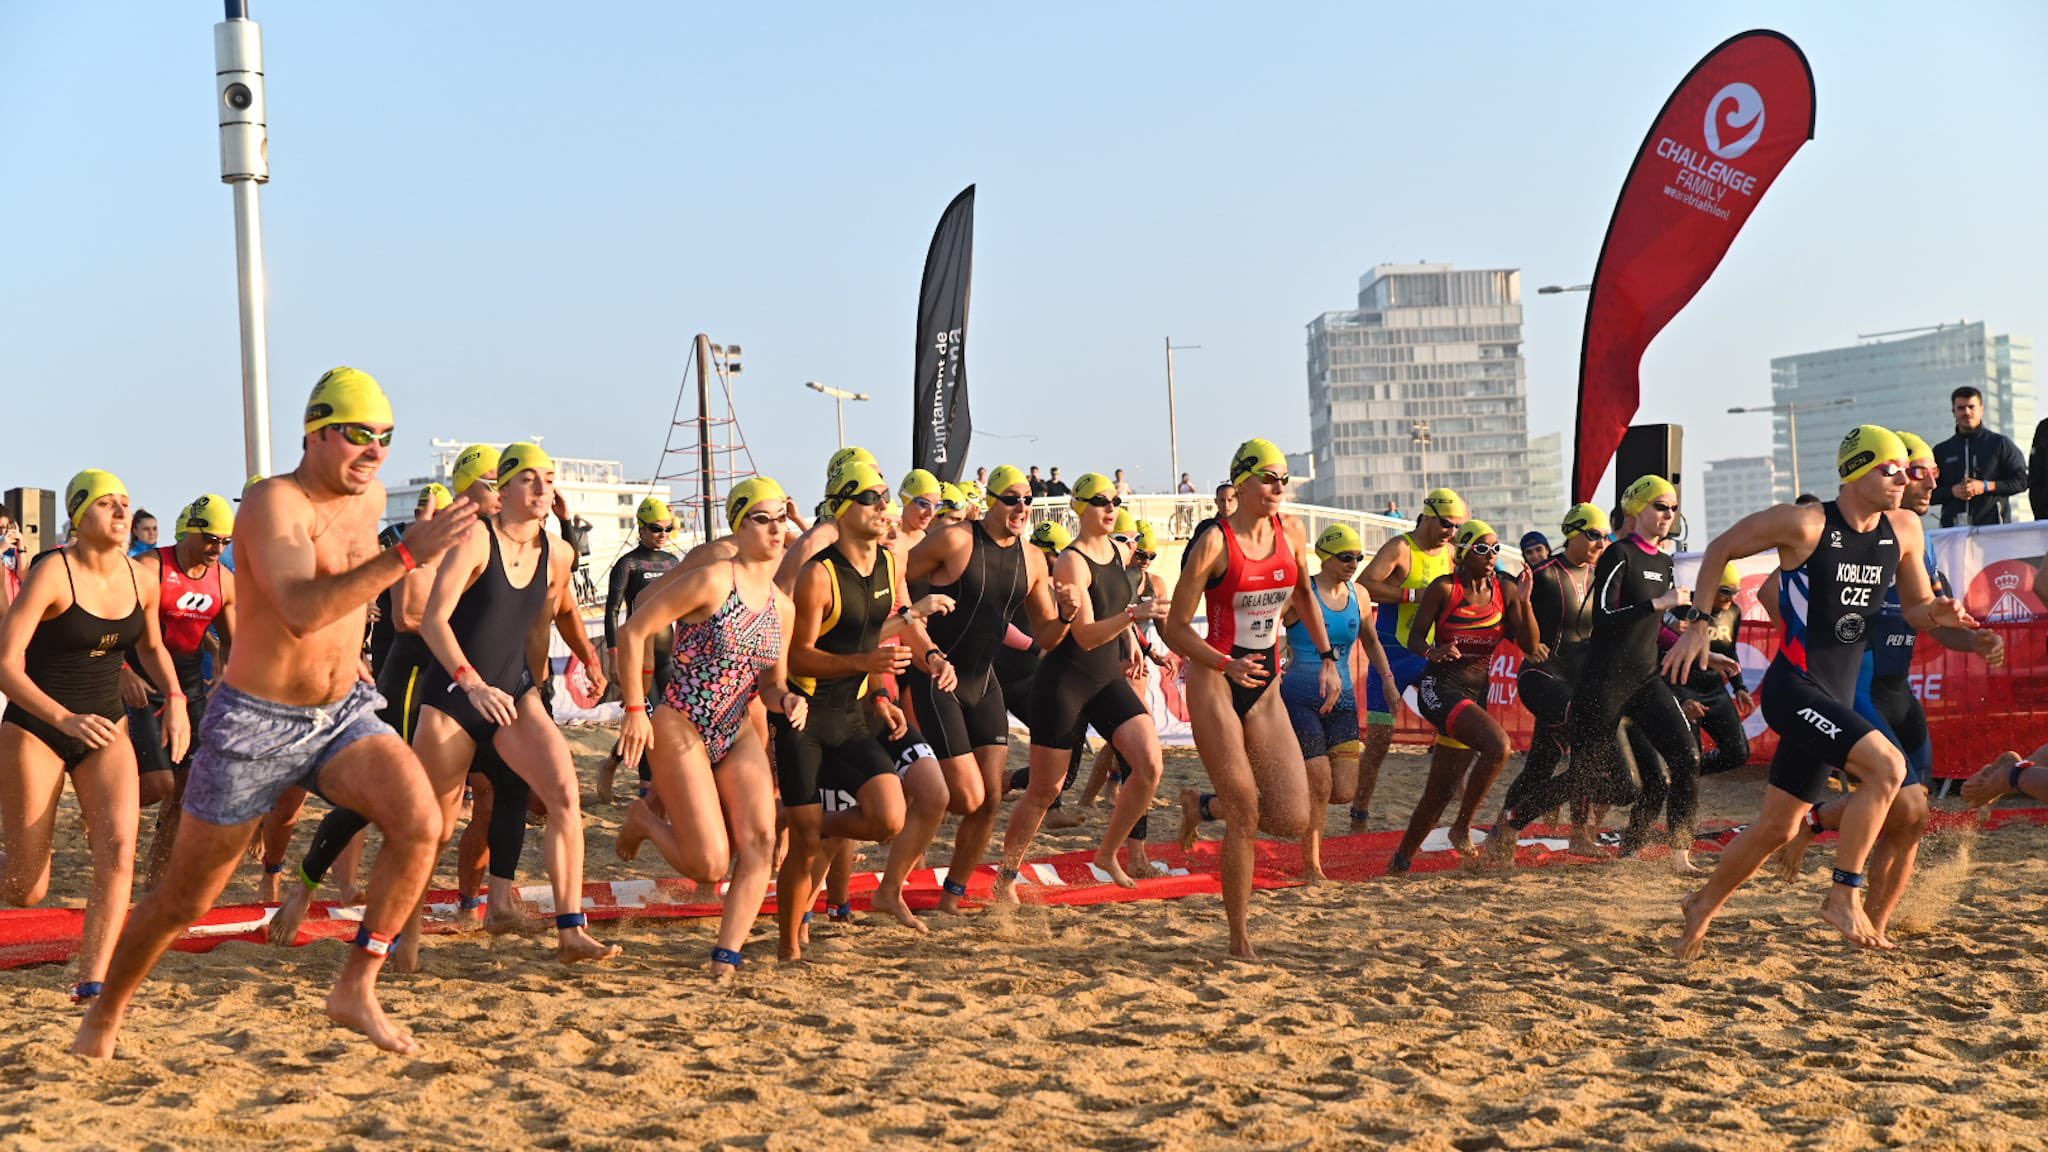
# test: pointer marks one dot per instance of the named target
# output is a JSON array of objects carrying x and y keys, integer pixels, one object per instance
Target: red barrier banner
[{"x": 1733, "y": 124}]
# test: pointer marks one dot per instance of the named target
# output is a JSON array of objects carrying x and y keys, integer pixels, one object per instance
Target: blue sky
[{"x": 517, "y": 215}]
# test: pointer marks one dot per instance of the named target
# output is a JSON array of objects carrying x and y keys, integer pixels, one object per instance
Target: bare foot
[
  {"x": 405, "y": 954},
  {"x": 1692, "y": 939},
  {"x": 348, "y": 894},
  {"x": 1005, "y": 890},
  {"x": 1461, "y": 840},
  {"x": 1585, "y": 841},
  {"x": 633, "y": 832},
  {"x": 1499, "y": 851},
  {"x": 291, "y": 912},
  {"x": 606, "y": 773},
  {"x": 1140, "y": 858},
  {"x": 722, "y": 972},
  {"x": 1791, "y": 859},
  {"x": 1063, "y": 817},
  {"x": 515, "y": 918},
  {"x": 1991, "y": 781},
  {"x": 358, "y": 1011},
  {"x": 891, "y": 901},
  {"x": 1106, "y": 861},
  {"x": 1681, "y": 863},
  {"x": 1190, "y": 817},
  {"x": 270, "y": 888},
  {"x": 576, "y": 946},
  {"x": 96, "y": 1033},
  {"x": 1241, "y": 948},
  {"x": 1843, "y": 908}
]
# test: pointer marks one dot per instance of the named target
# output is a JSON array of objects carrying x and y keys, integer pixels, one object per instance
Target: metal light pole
[
  {"x": 1556, "y": 289},
  {"x": 244, "y": 166},
  {"x": 1792, "y": 409},
  {"x": 839, "y": 396},
  {"x": 1419, "y": 432},
  {"x": 1172, "y": 414}
]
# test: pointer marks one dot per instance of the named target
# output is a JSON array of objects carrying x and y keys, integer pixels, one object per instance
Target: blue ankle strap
[
  {"x": 273, "y": 869},
  {"x": 472, "y": 903},
  {"x": 955, "y": 888},
  {"x": 727, "y": 956},
  {"x": 86, "y": 990},
  {"x": 842, "y": 911},
  {"x": 1850, "y": 879},
  {"x": 571, "y": 920}
]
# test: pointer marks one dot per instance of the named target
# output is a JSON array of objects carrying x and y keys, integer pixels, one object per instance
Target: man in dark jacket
[
  {"x": 2037, "y": 467},
  {"x": 1980, "y": 469}
]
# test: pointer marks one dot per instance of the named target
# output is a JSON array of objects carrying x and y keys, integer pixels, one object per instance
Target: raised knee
[
  {"x": 1885, "y": 772},
  {"x": 709, "y": 864}
]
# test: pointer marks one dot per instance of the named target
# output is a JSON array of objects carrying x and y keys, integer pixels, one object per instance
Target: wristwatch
[{"x": 1691, "y": 612}]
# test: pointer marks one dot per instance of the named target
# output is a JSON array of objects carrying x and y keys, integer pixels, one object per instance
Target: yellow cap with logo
[
  {"x": 1339, "y": 538},
  {"x": 848, "y": 455},
  {"x": 748, "y": 495},
  {"x": 850, "y": 479},
  {"x": 974, "y": 492},
  {"x": 347, "y": 396},
  {"x": 1051, "y": 536},
  {"x": 1126, "y": 524},
  {"x": 1916, "y": 448},
  {"x": 210, "y": 515},
  {"x": 655, "y": 511},
  {"x": 517, "y": 458},
  {"x": 1445, "y": 504},
  {"x": 1148, "y": 537},
  {"x": 1004, "y": 478},
  {"x": 1469, "y": 533},
  {"x": 1090, "y": 486},
  {"x": 1587, "y": 518},
  {"x": 435, "y": 493},
  {"x": 477, "y": 462},
  {"x": 1864, "y": 448},
  {"x": 1256, "y": 455},
  {"x": 1731, "y": 576},
  {"x": 87, "y": 488},
  {"x": 1645, "y": 491},
  {"x": 919, "y": 482},
  {"x": 951, "y": 498}
]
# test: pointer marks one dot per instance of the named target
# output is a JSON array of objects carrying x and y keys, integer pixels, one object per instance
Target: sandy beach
[{"x": 1450, "y": 1011}]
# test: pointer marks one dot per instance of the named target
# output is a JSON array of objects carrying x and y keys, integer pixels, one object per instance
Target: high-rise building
[
  {"x": 1900, "y": 383},
  {"x": 595, "y": 490},
  {"x": 1423, "y": 386},
  {"x": 1547, "y": 498},
  {"x": 1735, "y": 488}
]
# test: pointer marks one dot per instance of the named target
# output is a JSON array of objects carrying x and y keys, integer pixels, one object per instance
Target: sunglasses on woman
[
  {"x": 1483, "y": 549},
  {"x": 362, "y": 436},
  {"x": 1145, "y": 556},
  {"x": 1105, "y": 502},
  {"x": 1593, "y": 534},
  {"x": 661, "y": 529},
  {"x": 1667, "y": 509},
  {"x": 1347, "y": 557}
]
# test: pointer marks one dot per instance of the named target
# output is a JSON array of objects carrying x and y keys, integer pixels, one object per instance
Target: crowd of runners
[{"x": 797, "y": 687}]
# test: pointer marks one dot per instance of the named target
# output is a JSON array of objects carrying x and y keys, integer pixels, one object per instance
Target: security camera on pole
[{"x": 244, "y": 164}]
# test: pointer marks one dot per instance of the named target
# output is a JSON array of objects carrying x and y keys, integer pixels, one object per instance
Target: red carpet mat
[{"x": 48, "y": 936}]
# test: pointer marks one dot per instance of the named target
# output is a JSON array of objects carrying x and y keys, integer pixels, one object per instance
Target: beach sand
[{"x": 1450, "y": 1011}]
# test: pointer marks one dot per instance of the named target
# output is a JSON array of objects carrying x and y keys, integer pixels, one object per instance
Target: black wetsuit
[
  {"x": 384, "y": 629},
  {"x": 75, "y": 658},
  {"x": 630, "y": 576},
  {"x": 991, "y": 590},
  {"x": 1710, "y": 690},
  {"x": 1561, "y": 595},
  {"x": 1808, "y": 695},
  {"x": 1075, "y": 688},
  {"x": 1621, "y": 678}
]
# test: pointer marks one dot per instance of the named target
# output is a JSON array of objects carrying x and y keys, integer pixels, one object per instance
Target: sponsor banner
[
  {"x": 939, "y": 423},
  {"x": 1733, "y": 124}
]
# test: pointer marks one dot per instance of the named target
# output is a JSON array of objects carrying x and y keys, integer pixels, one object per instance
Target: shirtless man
[{"x": 308, "y": 567}]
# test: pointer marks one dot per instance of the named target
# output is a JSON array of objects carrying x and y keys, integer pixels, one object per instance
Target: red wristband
[
  {"x": 405, "y": 556},
  {"x": 457, "y": 677},
  {"x": 641, "y": 708}
]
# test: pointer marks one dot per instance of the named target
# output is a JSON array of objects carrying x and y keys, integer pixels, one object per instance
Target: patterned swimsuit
[{"x": 719, "y": 662}]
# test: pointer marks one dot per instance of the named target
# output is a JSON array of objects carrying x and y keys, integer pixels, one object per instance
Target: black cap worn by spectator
[{"x": 1981, "y": 470}]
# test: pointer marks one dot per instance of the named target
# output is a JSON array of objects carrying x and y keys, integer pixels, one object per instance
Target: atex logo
[
  {"x": 1828, "y": 728},
  {"x": 1744, "y": 106}
]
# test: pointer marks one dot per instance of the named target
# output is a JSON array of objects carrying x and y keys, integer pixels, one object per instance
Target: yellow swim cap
[
  {"x": 1052, "y": 536},
  {"x": 210, "y": 515},
  {"x": 851, "y": 479},
  {"x": 919, "y": 482},
  {"x": 1148, "y": 537},
  {"x": 1445, "y": 504},
  {"x": 1916, "y": 448},
  {"x": 1339, "y": 538},
  {"x": 87, "y": 487},
  {"x": 746, "y": 496},
  {"x": 437, "y": 494},
  {"x": 1865, "y": 447},
  {"x": 847, "y": 455},
  {"x": 347, "y": 396},
  {"x": 517, "y": 458},
  {"x": 1643, "y": 492},
  {"x": 1126, "y": 524},
  {"x": 1469, "y": 533},
  {"x": 973, "y": 492},
  {"x": 654, "y": 510},
  {"x": 1004, "y": 478},
  {"x": 1255, "y": 455},
  {"x": 1586, "y": 517},
  {"x": 477, "y": 462},
  {"x": 1731, "y": 576},
  {"x": 1088, "y": 487},
  {"x": 892, "y": 509},
  {"x": 951, "y": 498}
]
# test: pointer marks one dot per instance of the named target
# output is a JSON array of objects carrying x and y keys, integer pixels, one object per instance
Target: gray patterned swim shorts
[{"x": 252, "y": 750}]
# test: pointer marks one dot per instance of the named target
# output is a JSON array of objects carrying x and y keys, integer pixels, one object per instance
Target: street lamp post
[
  {"x": 1172, "y": 416},
  {"x": 839, "y": 396},
  {"x": 1556, "y": 289},
  {"x": 244, "y": 166},
  {"x": 1419, "y": 433},
  {"x": 1792, "y": 409}
]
